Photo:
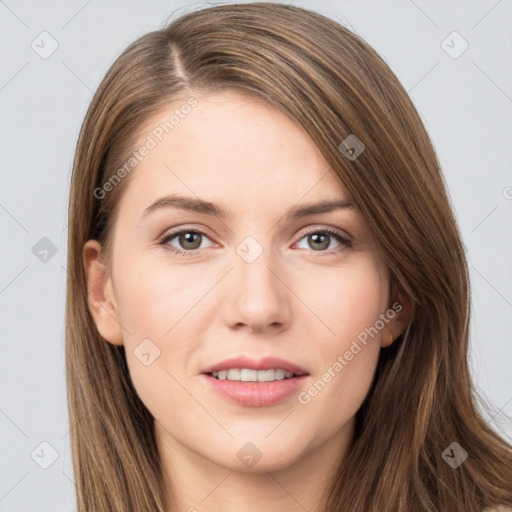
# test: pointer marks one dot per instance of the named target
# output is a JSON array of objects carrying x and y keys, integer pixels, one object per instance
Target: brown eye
[
  {"x": 188, "y": 240},
  {"x": 320, "y": 240}
]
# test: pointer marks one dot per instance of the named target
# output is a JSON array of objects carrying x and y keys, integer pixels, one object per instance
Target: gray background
[{"x": 465, "y": 102}]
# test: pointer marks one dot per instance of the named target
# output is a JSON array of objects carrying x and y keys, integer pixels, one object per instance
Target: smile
[{"x": 250, "y": 375}]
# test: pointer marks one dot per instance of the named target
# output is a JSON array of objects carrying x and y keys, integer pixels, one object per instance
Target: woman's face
[{"x": 258, "y": 282}]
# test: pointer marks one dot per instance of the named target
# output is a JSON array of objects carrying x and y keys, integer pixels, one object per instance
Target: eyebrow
[{"x": 197, "y": 205}]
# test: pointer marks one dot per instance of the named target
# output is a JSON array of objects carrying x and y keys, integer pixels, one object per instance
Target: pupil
[
  {"x": 325, "y": 243},
  {"x": 188, "y": 238}
]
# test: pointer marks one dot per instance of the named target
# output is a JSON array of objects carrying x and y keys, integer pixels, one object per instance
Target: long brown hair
[{"x": 333, "y": 85}]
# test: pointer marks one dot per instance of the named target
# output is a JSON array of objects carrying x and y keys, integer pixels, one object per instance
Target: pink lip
[
  {"x": 256, "y": 394},
  {"x": 266, "y": 363}
]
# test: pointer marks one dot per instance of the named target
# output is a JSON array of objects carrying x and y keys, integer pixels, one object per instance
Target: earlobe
[
  {"x": 396, "y": 327},
  {"x": 100, "y": 293},
  {"x": 387, "y": 339}
]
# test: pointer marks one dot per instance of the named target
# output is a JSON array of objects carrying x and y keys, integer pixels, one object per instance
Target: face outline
[{"x": 205, "y": 307}]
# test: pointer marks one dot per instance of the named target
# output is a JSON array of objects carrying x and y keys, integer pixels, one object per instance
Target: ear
[
  {"x": 100, "y": 293},
  {"x": 401, "y": 304}
]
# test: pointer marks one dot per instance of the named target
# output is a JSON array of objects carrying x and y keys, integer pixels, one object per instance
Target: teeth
[
  {"x": 233, "y": 374},
  {"x": 269, "y": 375},
  {"x": 248, "y": 375}
]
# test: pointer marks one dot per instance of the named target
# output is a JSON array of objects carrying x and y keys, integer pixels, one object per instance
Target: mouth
[
  {"x": 252, "y": 383},
  {"x": 245, "y": 369},
  {"x": 251, "y": 375}
]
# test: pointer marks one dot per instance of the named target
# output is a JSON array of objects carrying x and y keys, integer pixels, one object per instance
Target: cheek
[
  {"x": 154, "y": 296},
  {"x": 348, "y": 350},
  {"x": 160, "y": 330},
  {"x": 345, "y": 301}
]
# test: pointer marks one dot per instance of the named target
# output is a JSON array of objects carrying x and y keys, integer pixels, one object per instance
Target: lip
[
  {"x": 256, "y": 394},
  {"x": 266, "y": 363}
]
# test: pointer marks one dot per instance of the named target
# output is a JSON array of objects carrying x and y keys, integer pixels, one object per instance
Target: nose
[{"x": 257, "y": 296}]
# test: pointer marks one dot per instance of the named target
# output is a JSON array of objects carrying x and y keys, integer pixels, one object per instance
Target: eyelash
[{"x": 169, "y": 236}]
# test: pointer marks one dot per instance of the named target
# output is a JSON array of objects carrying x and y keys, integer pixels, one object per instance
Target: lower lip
[{"x": 256, "y": 394}]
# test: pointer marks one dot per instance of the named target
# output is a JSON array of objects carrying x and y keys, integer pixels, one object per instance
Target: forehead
[{"x": 230, "y": 148}]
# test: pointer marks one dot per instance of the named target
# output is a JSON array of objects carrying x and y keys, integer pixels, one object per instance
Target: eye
[
  {"x": 189, "y": 239},
  {"x": 320, "y": 239}
]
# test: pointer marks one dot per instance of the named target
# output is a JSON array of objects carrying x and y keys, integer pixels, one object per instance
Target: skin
[{"x": 211, "y": 305}]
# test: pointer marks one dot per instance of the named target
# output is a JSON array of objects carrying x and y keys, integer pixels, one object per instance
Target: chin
[{"x": 255, "y": 454}]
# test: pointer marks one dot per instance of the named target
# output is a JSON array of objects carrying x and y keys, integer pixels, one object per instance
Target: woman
[{"x": 268, "y": 299}]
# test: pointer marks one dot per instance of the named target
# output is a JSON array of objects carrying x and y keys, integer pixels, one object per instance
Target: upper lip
[{"x": 266, "y": 363}]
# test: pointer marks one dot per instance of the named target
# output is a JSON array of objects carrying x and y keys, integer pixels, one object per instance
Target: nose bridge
[
  {"x": 256, "y": 296},
  {"x": 253, "y": 266}
]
